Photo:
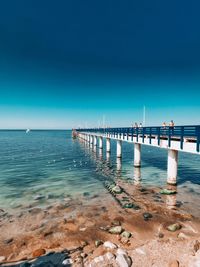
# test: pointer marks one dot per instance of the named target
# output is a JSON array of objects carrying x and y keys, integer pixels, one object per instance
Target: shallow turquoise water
[{"x": 54, "y": 166}]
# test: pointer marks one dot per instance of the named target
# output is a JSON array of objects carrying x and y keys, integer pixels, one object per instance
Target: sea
[{"x": 49, "y": 165}]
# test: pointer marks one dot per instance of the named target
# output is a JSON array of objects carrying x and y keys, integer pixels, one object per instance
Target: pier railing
[{"x": 188, "y": 133}]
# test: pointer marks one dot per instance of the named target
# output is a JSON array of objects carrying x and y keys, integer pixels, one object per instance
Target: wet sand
[{"x": 76, "y": 224}]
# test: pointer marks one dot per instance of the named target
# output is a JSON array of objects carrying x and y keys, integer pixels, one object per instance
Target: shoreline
[{"x": 79, "y": 224}]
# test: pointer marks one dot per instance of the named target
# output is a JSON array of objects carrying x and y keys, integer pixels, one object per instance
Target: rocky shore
[{"x": 127, "y": 226}]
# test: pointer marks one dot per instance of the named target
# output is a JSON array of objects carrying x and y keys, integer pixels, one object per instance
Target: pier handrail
[{"x": 191, "y": 133}]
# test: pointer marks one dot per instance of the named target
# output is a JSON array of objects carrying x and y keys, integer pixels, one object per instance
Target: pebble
[
  {"x": 8, "y": 241},
  {"x": 121, "y": 252},
  {"x": 147, "y": 216},
  {"x": 117, "y": 189},
  {"x": 98, "y": 259},
  {"x": 98, "y": 243},
  {"x": 124, "y": 240},
  {"x": 168, "y": 192},
  {"x": 109, "y": 256},
  {"x": 174, "y": 227},
  {"x": 182, "y": 235},
  {"x": 126, "y": 234},
  {"x": 110, "y": 245},
  {"x": 123, "y": 260},
  {"x": 196, "y": 246},
  {"x": 2, "y": 258},
  {"x": 38, "y": 197},
  {"x": 115, "y": 230},
  {"x": 38, "y": 252},
  {"x": 140, "y": 251},
  {"x": 67, "y": 262},
  {"x": 160, "y": 235},
  {"x": 174, "y": 264}
]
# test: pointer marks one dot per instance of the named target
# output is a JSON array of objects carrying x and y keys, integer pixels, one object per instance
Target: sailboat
[{"x": 28, "y": 130}]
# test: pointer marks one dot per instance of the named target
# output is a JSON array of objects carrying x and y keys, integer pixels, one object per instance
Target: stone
[
  {"x": 196, "y": 246},
  {"x": 109, "y": 256},
  {"x": 115, "y": 230},
  {"x": 121, "y": 252},
  {"x": 67, "y": 262},
  {"x": 182, "y": 236},
  {"x": 124, "y": 240},
  {"x": 123, "y": 260},
  {"x": 110, "y": 245},
  {"x": 126, "y": 234},
  {"x": 167, "y": 192},
  {"x": 98, "y": 243},
  {"x": 174, "y": 227},
  {"x": 98, "y": 259},
  {"x": 83, "y": 255},
  {"x": 38, "y": 252},
  {"x": 8, "y": 241},
  {"x": 174, "y": 263},
  {"x": 2, "y": 258},
  {"x": 140, "y": 251},
  {"x": 83, "y": 229},
  {"x": 130, "y": 205},
  {"x": 147, "y": 216},
  {"x": 38, "y": 197},
  {"x": 160, "y": 235},
  {"x": 117, "y": 189}
]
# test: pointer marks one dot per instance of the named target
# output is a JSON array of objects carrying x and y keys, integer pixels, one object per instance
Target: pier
[{"x": 174, "y": 139}]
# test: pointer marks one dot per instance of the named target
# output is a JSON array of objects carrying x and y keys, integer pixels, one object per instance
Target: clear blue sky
[{"x": 66, "y": 64}]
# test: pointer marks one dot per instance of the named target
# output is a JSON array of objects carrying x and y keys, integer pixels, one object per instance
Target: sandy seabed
[{"x": 82, "y": 227}]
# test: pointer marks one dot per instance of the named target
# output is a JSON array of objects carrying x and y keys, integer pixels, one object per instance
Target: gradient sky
[{"x": 68, "y": 63}]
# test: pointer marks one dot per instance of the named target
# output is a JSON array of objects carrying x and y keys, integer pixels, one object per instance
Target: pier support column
[
  {"x": 100, "y": 142},
  {"x": 95, "y": 140},
  {"x": 108, "y": 148},
  {"x": 137, "y": 155},
  {"x": 88, "y": 138},
  {"x": 91, "y": 139},
  {"x": 172, "y": 166},
  {"x": 119, "y": 148}
]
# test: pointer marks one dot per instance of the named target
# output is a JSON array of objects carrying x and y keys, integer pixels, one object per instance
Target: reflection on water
[
  {"x": 108, "y": 157},
  {"x": 100, "y": 154},
  {"x": 137, "y": 176},
  {"x": 118, "y": 167}
]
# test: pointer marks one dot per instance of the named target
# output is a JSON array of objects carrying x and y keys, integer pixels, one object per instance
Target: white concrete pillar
[
  {"x": 100, "y": 142},
  {"x": 108, "y": 147},
  {"x": 119, "y": 148},
  {"x": 137, "y": 155},
  {"x": 95, "y": 140},
  {"x": 88, "y": 138},
  {"x": 172, "y": 166},
  {"x": 91, "y": 139}
]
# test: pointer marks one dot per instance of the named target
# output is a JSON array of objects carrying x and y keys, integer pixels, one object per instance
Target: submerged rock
[
  {"x": 168, "y": 192},
  {"x": 115, "y": 230},
  {"x": 130, "y": 205},
  {"x": 38, "y": 197},
  {"x": 117, "y": 189},
  {"x": 174, "y": 227}
]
